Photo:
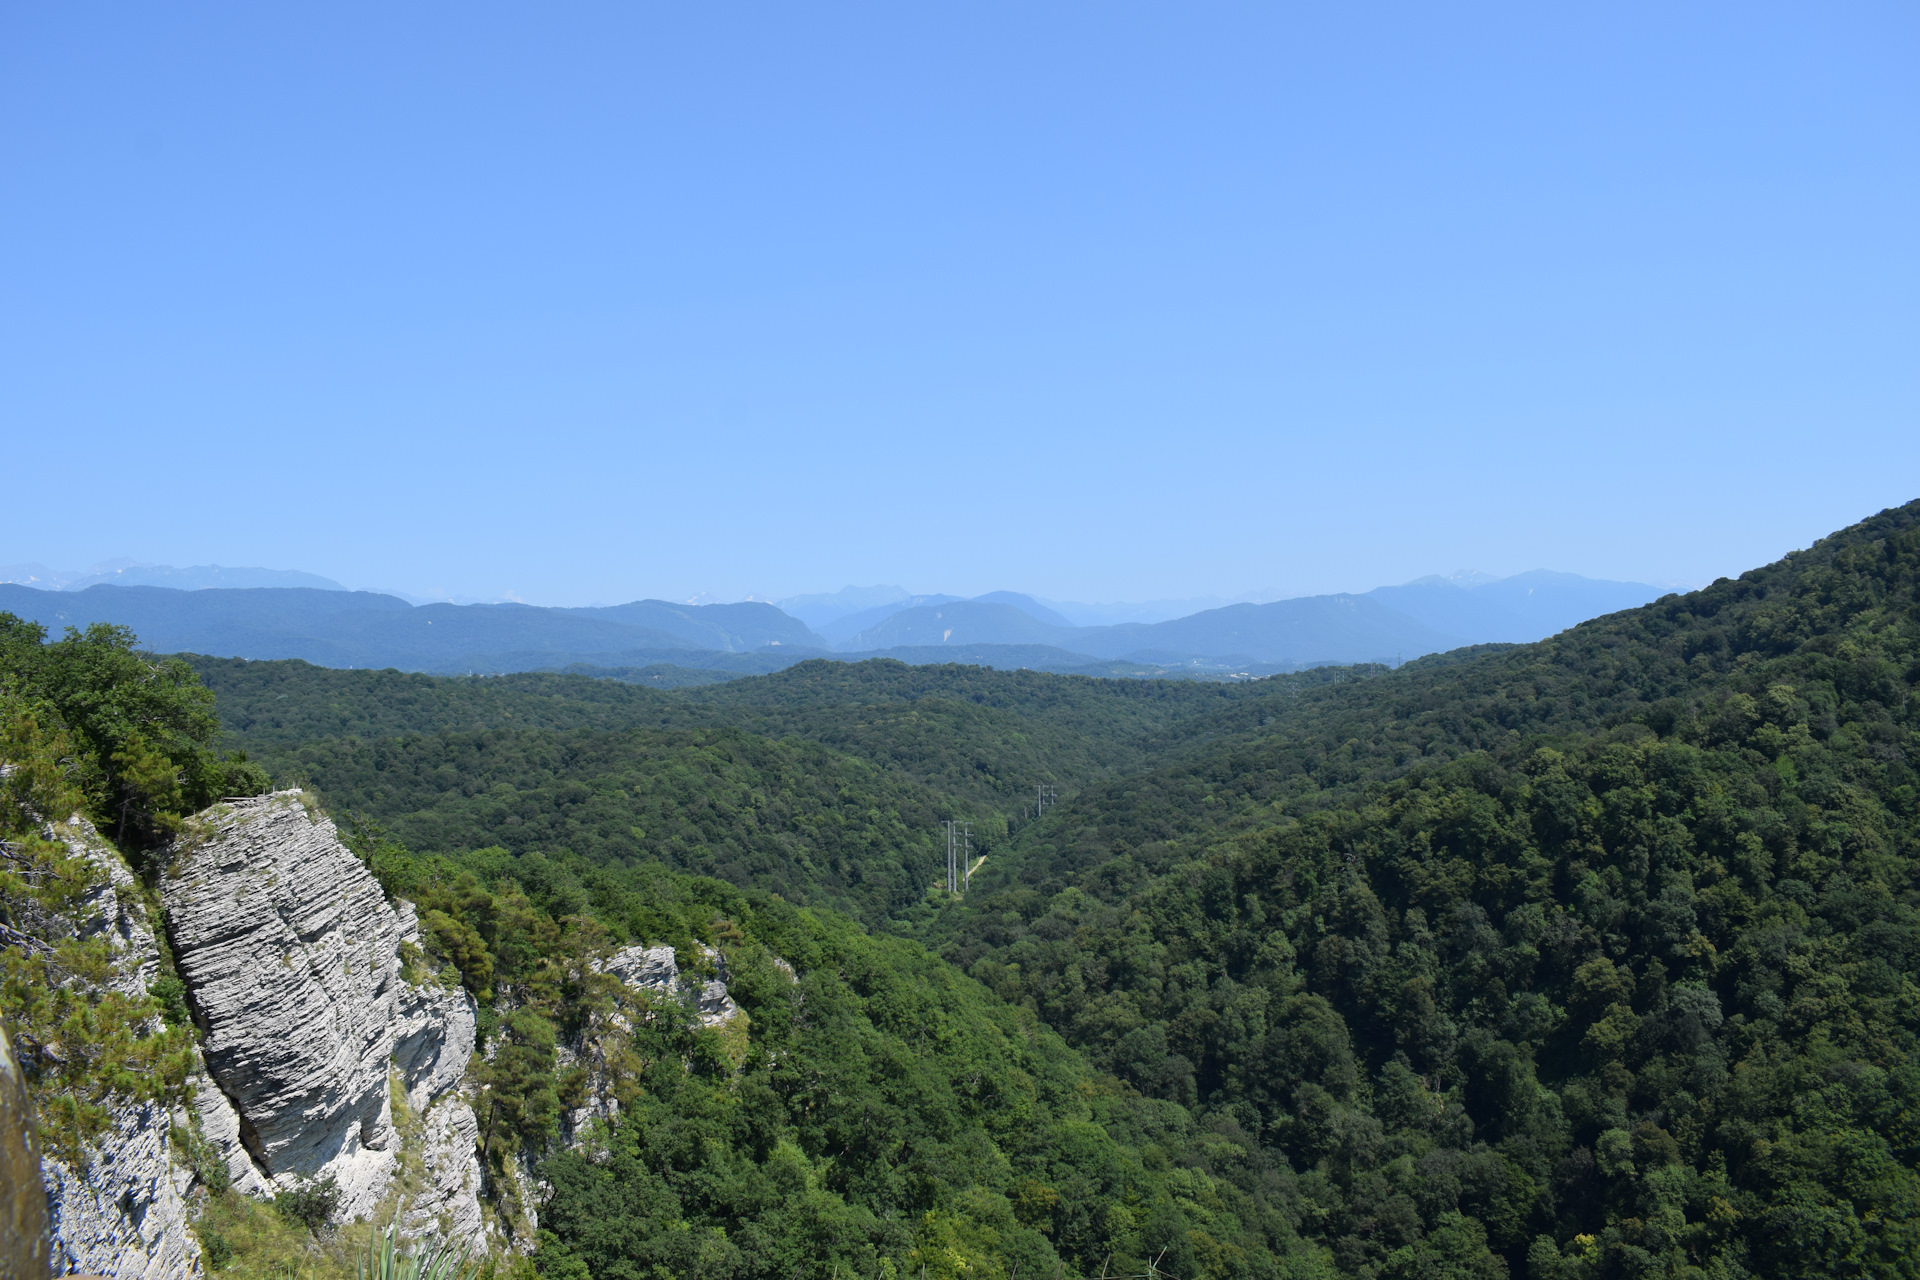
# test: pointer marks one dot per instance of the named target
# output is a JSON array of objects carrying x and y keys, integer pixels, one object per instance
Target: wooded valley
[{"x": 1587, "y": 958}]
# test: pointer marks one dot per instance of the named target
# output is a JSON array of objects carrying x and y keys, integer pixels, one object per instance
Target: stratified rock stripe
[{"x": 288, "y": 950}]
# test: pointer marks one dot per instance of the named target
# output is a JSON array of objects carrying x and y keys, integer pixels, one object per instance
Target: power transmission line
[{"x": 949, "y": 826}]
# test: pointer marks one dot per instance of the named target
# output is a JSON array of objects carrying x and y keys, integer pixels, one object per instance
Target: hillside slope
[
  {"x": 1607, "y": 943},
  {"x": 1589, "y": 958}
]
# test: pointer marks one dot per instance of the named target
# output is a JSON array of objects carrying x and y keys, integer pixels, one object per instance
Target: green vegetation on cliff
[
  {"x": 882, "y": 1112},
  {"x": 90, "y": 727}
]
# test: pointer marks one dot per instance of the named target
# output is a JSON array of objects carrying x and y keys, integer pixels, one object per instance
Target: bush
[
  {"x": 311, "y": 1204},
  {"x": 218, "y": 1251}
]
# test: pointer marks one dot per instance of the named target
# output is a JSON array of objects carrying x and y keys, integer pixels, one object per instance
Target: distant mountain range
[
  {"x": 1311, "y": 629},
  {"x": 126, "y": 573},
  {"x": 338, "y": 628},
  {"x": 1386, "y": 624},
  {"x": 841, "y": 613},
  {"x": 363, "y": 629}
]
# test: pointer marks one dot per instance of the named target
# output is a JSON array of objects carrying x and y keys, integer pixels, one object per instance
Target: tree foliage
[
  {"x": 881, "y": 1111},
  {"x": 140, "y": 729},
  {"x": 1606, "y": 945}
]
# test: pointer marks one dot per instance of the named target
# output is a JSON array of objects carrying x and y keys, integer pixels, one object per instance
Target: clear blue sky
[{"x": 1100, "y": 301}]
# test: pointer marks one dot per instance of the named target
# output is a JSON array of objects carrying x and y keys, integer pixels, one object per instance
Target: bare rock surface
[
  {"x": 291, "y": 958},
  {"x": 449, "y": 1203},
  {"x": 644, "y": 968},
  {"x": 220, "y": 1127},
  {"x": 123, "y": 1212},
  {"x": 112, "y": 910},
  {"x": 716, "y": 1006},
  {"x": 655, "y": 969},
  {"x": 289, "y": 952}
]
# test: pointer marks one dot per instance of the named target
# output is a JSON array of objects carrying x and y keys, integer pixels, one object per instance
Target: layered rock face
[
  {"x": 289, "y": 954},
  {"x": 124, "y": 1211},
  {"x": 449, "y": 1200},
  {"x": 309, "y": 1033},
  {"x": 291, "y": 958},
  {"x": 434, "y": 1032}
]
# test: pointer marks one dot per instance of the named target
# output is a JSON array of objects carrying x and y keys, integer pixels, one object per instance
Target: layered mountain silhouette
[
  {"x": 364, "y": 629},
  {"x": 338, "y": 628},
  {"x": 1341, "y": 628}
]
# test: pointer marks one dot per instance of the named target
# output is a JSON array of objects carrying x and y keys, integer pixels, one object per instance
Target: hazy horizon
[{"x": 1169, "y": 606}]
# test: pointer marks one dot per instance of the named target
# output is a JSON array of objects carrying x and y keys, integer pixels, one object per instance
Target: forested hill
[
  {"x": 1832, "y": 619},
  {"x": 1596, "y": 957},
  {"x": 827, "y": 781},
  {"x": 1602, "y": 950}
]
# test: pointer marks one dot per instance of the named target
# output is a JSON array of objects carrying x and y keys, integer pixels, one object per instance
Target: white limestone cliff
[
  {"x": 124, "y": 1212},
  {"x": 448, "y": 1201},
  {"x": 289, "y": 953},
  {"x": 121, "y": 1209},
  {"x": 291, "y": 958},
  {"x": 312, "y": 1038},
  {"x": 434, "y": 1028}
]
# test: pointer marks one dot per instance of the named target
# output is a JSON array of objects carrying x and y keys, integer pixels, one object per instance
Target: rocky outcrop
[
  {"x": 219, "y": 1126},
  {"x": 291, "y": 957},
  {"x": 289, "y": 952},
  {"x": 292, "y": 964},
  {"x": 434, "y": 1029},
  {"x": 652, "y": 969},
  {"x": 121, "y": 1210},
  {"x": 653, "y": 972},
  {"x": 716, "y": 1006},
  {"x": 112, "y": 910},
  {"x": 312, "y": 1038},
  {"x": 448, "y": 1200},
  {"x": 656, "y": 971},
  {"x": 434, "y": 1032},
  {"x": 124, "y": 1214}
]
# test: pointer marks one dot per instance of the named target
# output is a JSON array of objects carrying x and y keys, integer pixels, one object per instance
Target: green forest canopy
[{"x": 1594, "y": 957}]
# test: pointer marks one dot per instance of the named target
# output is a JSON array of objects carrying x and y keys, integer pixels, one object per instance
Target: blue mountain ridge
[{"x": 368, "y": 629}]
